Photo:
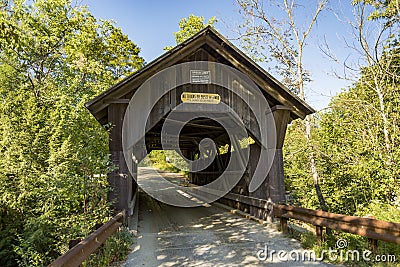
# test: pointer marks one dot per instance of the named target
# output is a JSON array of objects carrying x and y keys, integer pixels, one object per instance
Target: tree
[
  {"x": 190, "y": 26},
  {"x": 283, "y": 41},
  {"x": 54, "y": 57},
  {"x": 360, "y": 134},
  {"x": 376, "y": 33},
  {"x": 381, "y": 55},
  {"x": 352, "y": 154}
]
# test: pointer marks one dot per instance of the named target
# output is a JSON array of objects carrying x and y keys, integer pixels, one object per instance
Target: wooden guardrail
[
  {"x": 368, "y": 227},
  {"x": 80, "y": 252}
]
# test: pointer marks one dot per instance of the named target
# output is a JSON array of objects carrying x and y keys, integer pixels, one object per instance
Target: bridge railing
[
  {"x": 80, "y": 252},
  {"x": 367, "y": 227},
  {"x": 371, "y": 228}
]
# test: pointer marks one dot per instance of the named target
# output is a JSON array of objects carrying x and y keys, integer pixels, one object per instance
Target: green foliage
[
  {"x": 386, "y": 9},
  {"x": 356, "y": 167},
  {"x": 190, "y": 26},
  {"x": 356, "y": 143},
  {"x": 54, "y": 57},
  {"x": 297, "y": 170},
  {"x": 359, "y": 172},
  {"x": 158, "y": 159}
]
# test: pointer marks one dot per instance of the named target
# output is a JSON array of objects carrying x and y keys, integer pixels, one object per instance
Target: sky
[{"x": 150, "y": 24}]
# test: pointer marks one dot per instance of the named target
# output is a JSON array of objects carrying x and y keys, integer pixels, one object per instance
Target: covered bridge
[{"x": 205, "y": 48}]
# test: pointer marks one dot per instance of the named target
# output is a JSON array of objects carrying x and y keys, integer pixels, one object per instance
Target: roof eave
[{"x": 301, "y": 108}]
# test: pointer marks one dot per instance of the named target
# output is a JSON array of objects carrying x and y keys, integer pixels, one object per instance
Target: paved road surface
[{"x": 204, "y": 236}]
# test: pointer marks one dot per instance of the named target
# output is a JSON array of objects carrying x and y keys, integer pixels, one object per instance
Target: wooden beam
[{"x": 116, "y": 101}]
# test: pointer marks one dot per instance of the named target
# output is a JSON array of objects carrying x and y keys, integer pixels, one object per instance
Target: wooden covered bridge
[{"x": 206, "y": 46}]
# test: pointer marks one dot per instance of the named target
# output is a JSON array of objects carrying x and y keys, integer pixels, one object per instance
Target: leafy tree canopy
[
  {"x": 387, "y": 9},
  {"x": 190, "y": 26},
  {"x": 54, "y": 57}
]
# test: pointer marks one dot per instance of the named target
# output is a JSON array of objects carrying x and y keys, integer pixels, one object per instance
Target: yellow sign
[{"x": 204, "y": 98}]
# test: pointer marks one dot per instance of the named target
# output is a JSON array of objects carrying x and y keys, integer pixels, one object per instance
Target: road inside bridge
[{"x": 205, "y": 236}]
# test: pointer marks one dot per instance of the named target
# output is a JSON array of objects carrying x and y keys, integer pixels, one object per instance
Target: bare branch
[
  {"x": 326, "y": 50},
  {"x": 321, "y": 6}
]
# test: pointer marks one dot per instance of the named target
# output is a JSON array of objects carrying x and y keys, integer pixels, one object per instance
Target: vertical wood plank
[
  {"x": 373, "y": 245},
  {"x": 284, "y": 225},
  {"x": 319, "y": 233},
  {"x": 120, "y": 180}
]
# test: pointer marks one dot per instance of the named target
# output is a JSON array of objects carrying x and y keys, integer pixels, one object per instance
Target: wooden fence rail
[
  {"x": 80, "y": 252},
  {"x": 368, "y": 227}
]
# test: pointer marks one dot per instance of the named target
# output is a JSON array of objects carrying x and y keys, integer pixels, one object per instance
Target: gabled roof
[{"x": 220, "y": 47}]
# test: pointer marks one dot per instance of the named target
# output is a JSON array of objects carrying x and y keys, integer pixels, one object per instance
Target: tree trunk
[
  {"x": 307, "y": 124},
  {"x": 382, "y": 112},
  {"x": 313, "y": 167}
]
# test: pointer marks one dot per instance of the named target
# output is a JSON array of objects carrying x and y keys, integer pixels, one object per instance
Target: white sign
[{"x": 200, "y": 76}]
